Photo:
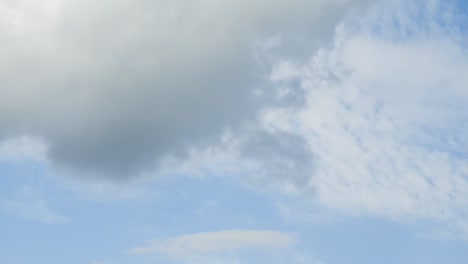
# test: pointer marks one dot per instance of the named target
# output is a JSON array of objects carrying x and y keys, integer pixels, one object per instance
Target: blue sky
[{"x": 315, "y": 132}]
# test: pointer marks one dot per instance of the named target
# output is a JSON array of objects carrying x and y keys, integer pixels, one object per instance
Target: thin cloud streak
[
  {"x": 29, "y": 204},
  {"x": 219, "y": 242}
]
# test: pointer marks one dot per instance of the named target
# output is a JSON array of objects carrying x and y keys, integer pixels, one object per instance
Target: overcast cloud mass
[{"x": 114, "y": 87}]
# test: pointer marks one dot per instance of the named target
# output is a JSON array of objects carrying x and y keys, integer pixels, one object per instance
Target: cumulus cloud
[
  {"x": 113, "y": 87},
  {"x": 376, "y": 123},
  {"x": 386, "y": 115}
]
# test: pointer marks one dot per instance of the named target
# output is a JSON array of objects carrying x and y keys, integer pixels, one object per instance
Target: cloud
[
  {"x": 22, "y": 148},
  {"x": 116, "y": 91},
  {"x": 29, "y": 204},
  {"x": 386, "y": 115},
  {"x": 218, "y": 242},
  {"x": 228, "y": 246}
]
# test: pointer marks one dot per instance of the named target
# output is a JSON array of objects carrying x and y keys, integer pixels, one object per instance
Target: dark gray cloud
[{"x": 115, "y": 86}]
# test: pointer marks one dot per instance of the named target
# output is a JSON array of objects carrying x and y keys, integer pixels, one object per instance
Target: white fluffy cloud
[{"x": 386, "y": 116}]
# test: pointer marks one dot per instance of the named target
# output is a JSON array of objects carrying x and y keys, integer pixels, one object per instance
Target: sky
[{"x": 238, "y": 132}]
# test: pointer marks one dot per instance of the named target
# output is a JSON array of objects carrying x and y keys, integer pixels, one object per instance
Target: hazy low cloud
[{"x": 116, "y": 90}]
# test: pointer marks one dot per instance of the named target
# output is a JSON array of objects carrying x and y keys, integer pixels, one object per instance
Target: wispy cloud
[
  {"x": 29, "y": 204},
  {"x": 22, "y": 148},
  {"x": 386, "y": 116},
  {"x": 218, "y": 242}
]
